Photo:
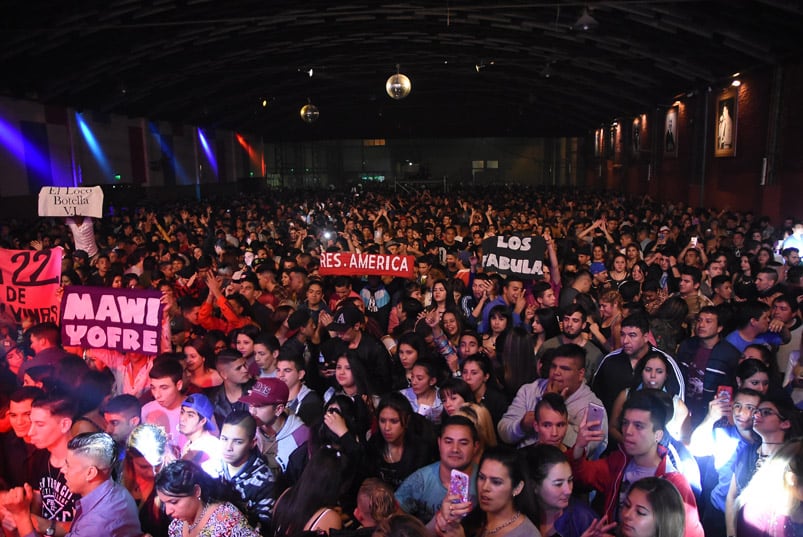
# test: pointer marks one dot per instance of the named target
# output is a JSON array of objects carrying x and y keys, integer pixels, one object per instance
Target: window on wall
[{"x": 485, "y": 164}]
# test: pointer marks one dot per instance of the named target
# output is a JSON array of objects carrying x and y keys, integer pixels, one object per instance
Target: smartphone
[
  {"x": 725, "y": 393},
  {"x": 661, "y": 236},
  {"x": 694, "y": 242},
  {"x": 459, "y": 484},
  {"x": 595, "y": 412}
]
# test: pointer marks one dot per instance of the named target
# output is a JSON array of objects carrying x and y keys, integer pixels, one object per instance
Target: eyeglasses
[{"x": 767, "y": 412}]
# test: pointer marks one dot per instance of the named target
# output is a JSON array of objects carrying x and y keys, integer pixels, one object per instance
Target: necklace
[
  {"x": 503, "y": 525},
  {"x": 389, "y": 454},
  {"x": 198, "y": 519}
]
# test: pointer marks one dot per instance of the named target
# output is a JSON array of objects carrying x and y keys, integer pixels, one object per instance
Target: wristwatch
[{"x": 50, "y": 531}]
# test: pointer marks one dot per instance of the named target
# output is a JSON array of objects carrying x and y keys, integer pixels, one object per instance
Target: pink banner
[
  {"x": 125, "y": 320},
  {"x": 29, "y": 280},
  {"x": 349, "y": 264}
]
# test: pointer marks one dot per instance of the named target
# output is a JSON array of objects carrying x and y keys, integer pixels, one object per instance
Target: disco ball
[
  {"x": 398, "y": 86},
  {"x": 309, "y": 113}
]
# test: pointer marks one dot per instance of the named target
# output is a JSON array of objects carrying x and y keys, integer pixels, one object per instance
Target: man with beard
[
  {"x": 615, "y": 370},
  {"x": 574, "y": 323},
  {"x": 566, "y": 378}
]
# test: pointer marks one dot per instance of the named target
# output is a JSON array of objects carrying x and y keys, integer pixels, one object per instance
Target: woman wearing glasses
[{"x": 774, "y": 421}]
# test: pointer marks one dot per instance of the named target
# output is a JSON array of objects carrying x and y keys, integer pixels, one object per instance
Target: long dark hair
[
  {"x": 518, "y": 359},
  {"x": 548, "y": 317},
  {"x": 358, "y": 372},
  {"x": 326, "y": 477},
  {"x": 202, "y": 347},
  {"x": 540, "y": 459},
  {"x": 670, "y": 385},
  {"x": 516, "y": 467}
]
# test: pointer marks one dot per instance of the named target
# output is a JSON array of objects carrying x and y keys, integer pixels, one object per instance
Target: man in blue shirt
[
  {"x": 754, "y": 326},
  {"x": 105, "y": 508},
  {"x": 422, "y": 493},
  {"x": 512, "y": 298}
]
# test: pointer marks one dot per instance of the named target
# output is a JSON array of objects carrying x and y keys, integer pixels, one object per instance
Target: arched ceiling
[{"x": 213, "y": 62}]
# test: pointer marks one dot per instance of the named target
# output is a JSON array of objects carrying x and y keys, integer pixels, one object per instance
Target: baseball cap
[
  {"x": 204, "y": 407},
  {"x": 345, "y": 318},
  {"x": 267, "y": 391}
]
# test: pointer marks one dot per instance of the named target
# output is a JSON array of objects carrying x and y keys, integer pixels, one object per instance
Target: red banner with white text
[
  {"x": 29, "y": 281},
  {"x": 351, "y": 264}
]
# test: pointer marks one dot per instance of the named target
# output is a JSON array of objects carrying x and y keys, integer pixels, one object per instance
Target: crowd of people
[{"x": 646, "y": 382}]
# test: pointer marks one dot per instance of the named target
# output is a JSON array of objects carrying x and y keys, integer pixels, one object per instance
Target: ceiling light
[
  {"x": 482, "y": 65},
  {"x": 736, "y": 83},
  {"x": 585, "y": 22},
  {"x": 547, "y": 71}
]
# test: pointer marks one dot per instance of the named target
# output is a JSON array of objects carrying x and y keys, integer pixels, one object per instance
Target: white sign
[{"x": 71, "y": 201}]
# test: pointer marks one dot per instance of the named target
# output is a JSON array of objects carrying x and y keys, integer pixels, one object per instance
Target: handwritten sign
[
  {"x": 125, "y": 320},
  {"x": 71, "y": 201},
  {"x": 523, "y": 256},
  {"x": 351, "y": 264},
  {"x": 29, "y": 280}
]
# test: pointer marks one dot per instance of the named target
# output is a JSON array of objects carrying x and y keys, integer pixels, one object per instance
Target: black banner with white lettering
[{"x": 523, "y": 256}]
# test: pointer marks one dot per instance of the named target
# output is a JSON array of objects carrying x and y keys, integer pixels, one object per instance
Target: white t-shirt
[
  {"x": 84, "y": 235},
  {"x": 156, "y": 414}
]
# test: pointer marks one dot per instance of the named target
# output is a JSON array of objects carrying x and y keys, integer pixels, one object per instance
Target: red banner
[
  {"x": 350, "y": 264},
  {"x": 29, "y": 280}
]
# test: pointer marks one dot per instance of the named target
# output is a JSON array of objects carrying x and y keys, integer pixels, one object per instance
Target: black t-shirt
[{"x": 58, "y": 503}]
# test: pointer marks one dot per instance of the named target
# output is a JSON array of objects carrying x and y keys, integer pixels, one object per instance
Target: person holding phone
[
  {"x": 505, "y": 496},
  {"x": 422, "y": 493},
  {"x": 566, "y": 378},
  {"x": 640, "y": 455}
]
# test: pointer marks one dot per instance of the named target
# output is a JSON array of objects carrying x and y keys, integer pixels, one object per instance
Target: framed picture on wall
[
  {"x": 671, "y": 133},
  {"x": 725, "y": 123}
]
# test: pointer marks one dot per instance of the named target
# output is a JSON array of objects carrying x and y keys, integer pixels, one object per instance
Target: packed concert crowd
[{"x": 498, "y": 362}]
